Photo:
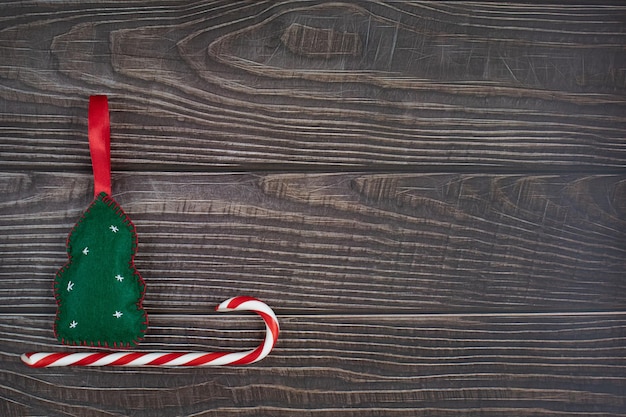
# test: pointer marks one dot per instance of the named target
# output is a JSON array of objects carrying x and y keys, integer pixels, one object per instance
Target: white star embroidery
[
  {"x": 119, "y": 278},
  {"x": 70, "y": 286},
  {"x": 73, "y": 324},
  {"x": 114, "y": 229},
  {"x": 118, "y": 314},
  {"x": 86, "y": 251}
]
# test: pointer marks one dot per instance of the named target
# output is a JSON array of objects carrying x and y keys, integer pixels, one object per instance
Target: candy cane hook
[{"x": 44, "y": 359}]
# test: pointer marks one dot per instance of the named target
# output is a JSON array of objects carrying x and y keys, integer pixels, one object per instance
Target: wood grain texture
[
  {"x": 371, "y": 85},
  {"x": 371, "y": 243},
  {"x": 431, "y": 195},
  {"x": 400, "y": 365}
]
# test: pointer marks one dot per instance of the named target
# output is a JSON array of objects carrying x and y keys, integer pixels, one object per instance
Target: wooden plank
[
  {"x": 316, "y": 85},
  {"x": 342, "y": 365},
  {"x": 337, "y": 242}
]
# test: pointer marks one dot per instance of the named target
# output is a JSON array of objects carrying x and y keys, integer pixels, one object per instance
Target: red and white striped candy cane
[{"x": 47, "y": 359}]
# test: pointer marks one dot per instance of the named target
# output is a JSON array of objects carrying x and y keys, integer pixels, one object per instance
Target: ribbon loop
[{"x": 99, "y": 129}]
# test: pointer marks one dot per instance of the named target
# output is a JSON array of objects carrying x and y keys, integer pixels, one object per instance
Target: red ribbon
[{"x": 100, "y": 143}]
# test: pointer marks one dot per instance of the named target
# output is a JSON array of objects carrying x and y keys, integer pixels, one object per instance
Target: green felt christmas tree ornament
[{"x": 99, "y": 291}]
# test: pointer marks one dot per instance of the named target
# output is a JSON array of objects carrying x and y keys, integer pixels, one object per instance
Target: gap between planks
[
  {"x": 383, "y": 314},
  {"x": 260, "y": 169}
]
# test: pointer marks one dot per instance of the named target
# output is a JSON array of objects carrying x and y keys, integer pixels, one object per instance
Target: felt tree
[{"x": 99, "y": 292}]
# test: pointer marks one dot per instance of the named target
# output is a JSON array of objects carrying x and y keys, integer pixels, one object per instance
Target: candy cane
[{"x": 47, "y": 359}]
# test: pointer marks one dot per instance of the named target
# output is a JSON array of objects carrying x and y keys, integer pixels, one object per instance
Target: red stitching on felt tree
[{"x": 99, "y": 291}]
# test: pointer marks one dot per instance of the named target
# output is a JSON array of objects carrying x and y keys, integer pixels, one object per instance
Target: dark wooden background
[{"x": 432, "y": 197}]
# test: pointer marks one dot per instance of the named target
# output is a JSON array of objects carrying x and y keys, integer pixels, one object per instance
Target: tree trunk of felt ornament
[{"x": 99, "y": 291}]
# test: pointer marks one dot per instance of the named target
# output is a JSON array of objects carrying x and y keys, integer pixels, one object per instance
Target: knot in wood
[{"x": 321, "y": 43}]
